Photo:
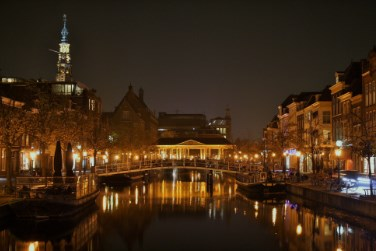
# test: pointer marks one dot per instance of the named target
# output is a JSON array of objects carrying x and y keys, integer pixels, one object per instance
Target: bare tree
[
  {"x": 46, "y": 122},
  {"x": 14, "y": 121},
  {"x": 361, "y": 141}
]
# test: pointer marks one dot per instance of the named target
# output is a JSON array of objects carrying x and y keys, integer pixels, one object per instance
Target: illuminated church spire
[{"x": 64, "y": 67}]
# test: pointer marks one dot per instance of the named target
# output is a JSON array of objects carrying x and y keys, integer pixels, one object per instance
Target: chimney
[{"x": 141, "y": 94}]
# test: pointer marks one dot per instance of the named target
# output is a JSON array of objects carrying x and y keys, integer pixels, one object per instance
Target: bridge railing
[{"x": 130, "y": 167}]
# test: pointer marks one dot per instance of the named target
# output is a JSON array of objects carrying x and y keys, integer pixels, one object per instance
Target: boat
[
  {"x": 258, "y": 185},
  {"x": 44, "y": 198}
]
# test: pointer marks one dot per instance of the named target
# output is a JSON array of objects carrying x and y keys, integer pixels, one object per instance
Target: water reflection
[
  {"x": 179, "y": 211},
  {"x": 69, "y": 234}
]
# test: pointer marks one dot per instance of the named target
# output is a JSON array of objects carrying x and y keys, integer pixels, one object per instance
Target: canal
[{"x": 177, "y": 210}]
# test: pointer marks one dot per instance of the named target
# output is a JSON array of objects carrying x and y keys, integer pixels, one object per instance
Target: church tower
[{"x": 64, "y": 67}]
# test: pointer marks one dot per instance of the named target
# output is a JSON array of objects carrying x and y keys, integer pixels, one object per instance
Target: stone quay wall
[{"x": 359, "y": 205}]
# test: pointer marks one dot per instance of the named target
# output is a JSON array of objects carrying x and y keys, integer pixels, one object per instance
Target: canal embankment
[{"x": 352, "y": 203}]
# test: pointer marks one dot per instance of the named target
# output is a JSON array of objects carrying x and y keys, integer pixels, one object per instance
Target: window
[
  {"x": 326, "y": 117},
  {"x": 91, "y": 104}
]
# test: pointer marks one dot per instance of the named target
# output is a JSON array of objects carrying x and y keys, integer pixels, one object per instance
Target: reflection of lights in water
[
  {"x": 108, "y": 202},
  {"x": 116, "y": 200},
  {"x": 136, "y": 195},
  {"x": 299, "y": 229},
  {"x": 111, "y": 202},
  {"x": 174, "y": 174},
  {"x": 229, "y": 191},
  {"x": 190, "y": 193},
  {"x": 340, "y": 230},
  {"x": 256, "y": 214},
  {"x": 350, "y": 230},
  {"x": 33, "y": 246},
  {"x": 256, "y": 205},
  {"x": 143, "y": 189},
  {"x": 244, "y": 212},
  {"x": 163, "y": 192},
  {"x": 339, "y": 249},
  {"x": 274, "y": 215},
  {"x": 104, "y": 203},
  {"x": 235, "y": 210}
]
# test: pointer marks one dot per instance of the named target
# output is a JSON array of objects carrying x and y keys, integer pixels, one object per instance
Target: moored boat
[
  {"x": 258, "y": 185},
  {"x": 54, "y": 197}
]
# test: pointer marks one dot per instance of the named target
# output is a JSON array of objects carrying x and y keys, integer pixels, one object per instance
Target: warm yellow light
[
  {"x": 298, "y": 154},
  {"x": 299, "y": 229},
  {"x": 84, "y": 153},
  {"x": 116, "y": 157},
  {"x": 273, "y": 155},
  {"x": 256, "y": 156},
  {"x": 274, "y": 215},
  {"x": 338, "y": 152},
  {"x": 32, "y": 155},
  {"x": 33, "y": 246}
]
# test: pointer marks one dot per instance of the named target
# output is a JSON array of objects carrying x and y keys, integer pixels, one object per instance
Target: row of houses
[
  {"x": 35, "y": 114},
  {"x": 332, "y": 128}
]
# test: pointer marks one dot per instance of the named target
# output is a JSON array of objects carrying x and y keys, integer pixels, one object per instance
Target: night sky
[{"x": 192, "y": 56}]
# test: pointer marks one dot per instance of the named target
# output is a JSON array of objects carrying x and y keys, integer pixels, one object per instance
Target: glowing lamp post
[
  {"x": 273, "y": 156},
  {"x": 116, "y": 162}
]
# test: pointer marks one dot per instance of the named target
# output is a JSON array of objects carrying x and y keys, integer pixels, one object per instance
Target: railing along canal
[{"x": 41, "y": 187}]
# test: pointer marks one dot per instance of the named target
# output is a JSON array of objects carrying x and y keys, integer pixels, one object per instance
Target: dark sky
[{"x": 192, "y": 56}]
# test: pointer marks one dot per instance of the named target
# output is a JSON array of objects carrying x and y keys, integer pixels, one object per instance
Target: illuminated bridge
[{"x": 126, "y": 168}]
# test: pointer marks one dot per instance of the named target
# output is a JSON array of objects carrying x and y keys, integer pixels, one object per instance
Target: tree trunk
[{"x": 9, "y": 169}]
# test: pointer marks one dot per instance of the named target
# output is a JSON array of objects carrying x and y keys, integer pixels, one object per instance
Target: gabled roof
[
  {"x": 352, "y": 77},
  {"x": 324, "y": 95},
  {"x": 206, "y": 141}
]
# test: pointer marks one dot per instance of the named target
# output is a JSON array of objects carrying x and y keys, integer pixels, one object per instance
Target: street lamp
[
  {"x": 273, "y": 156},
  {"x": 338, "y": 153}
]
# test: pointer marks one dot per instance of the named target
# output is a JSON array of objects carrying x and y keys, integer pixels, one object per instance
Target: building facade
[
  {"x": 190, "y": 136},
  {"x": 132, "y": 124}
]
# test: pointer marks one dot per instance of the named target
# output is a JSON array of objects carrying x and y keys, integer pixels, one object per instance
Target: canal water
[{"x": 178, "y": 210}]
